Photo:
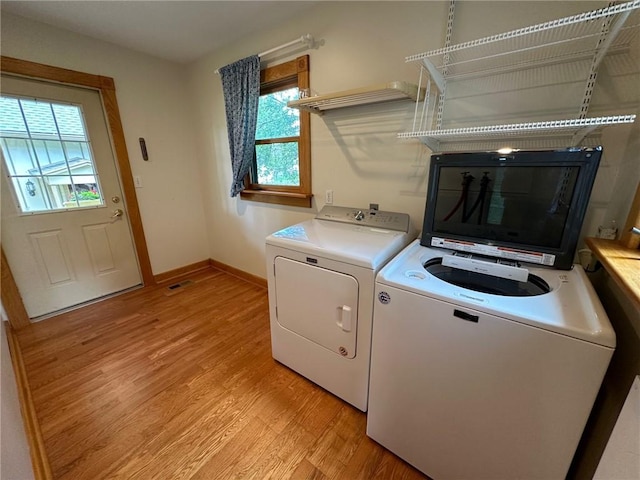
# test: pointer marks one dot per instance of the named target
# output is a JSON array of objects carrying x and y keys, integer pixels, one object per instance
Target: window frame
[{"x": 294, "y": 73}]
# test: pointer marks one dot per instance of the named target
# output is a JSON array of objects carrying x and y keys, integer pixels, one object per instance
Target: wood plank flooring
[{"x": 180, "y": 384}]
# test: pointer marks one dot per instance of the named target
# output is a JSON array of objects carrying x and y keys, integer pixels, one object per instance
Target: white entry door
[{"x": 64, "y": 221}]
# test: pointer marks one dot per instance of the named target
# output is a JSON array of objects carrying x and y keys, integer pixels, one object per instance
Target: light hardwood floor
[{"x": 181, "y": 385}]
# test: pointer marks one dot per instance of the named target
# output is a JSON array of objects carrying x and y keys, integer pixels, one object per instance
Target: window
[
  {"x": 281, "y": 170},
  {"x": 47, "y": 155}
]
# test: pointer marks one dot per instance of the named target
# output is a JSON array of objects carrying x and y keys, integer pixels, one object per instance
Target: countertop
[{"x": 623, "y": 265}]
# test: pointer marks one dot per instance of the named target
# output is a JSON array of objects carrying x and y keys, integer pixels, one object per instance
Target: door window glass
[{"x": 47, "y": 155}]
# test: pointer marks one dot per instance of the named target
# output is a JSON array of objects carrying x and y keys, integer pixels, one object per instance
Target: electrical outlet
[
  {"x": 137, "y": 181},
  {"x": 328, "y": 197},
  {"x": 609, "y": 233}
]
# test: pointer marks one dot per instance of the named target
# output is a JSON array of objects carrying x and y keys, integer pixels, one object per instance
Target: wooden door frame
[{"x": 11, "y": 299}]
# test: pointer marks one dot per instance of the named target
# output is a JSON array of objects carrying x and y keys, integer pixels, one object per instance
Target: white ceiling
[{"x": 179, "y": 31}]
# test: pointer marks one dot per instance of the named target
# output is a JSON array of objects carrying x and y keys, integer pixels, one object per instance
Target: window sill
[
  {"x": 280, "y": 198},
  {"x": 621, "y": 263}
]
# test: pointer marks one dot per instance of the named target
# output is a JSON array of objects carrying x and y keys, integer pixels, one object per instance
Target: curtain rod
[{"x": 306, "y": 39}]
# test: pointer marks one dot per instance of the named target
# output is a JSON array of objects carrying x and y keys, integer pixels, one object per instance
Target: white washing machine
[
  {"x": 321, "y": 277},
  {"x": 479, "y": 377}
]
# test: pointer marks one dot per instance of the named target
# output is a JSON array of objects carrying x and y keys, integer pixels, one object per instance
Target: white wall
[
  {"x": 15, "y": 463},
  {"x": 153, "y": 100},
  {"x": 355, "y": 151},
  {"x": 186, "y": 209}
]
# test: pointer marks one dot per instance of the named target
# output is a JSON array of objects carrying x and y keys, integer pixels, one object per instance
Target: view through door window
[{"x": 47, "y": 154}]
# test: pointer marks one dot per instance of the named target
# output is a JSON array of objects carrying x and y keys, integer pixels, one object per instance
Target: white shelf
[
  {"x": 562, "y": 40},
  {"x": 360, "y": 96},
  {"x": 566, "y": 51},
  {"x": 572, "y": 131}
]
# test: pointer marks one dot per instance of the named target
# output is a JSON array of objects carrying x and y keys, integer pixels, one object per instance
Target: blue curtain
[{"x": 241, "y": 88}]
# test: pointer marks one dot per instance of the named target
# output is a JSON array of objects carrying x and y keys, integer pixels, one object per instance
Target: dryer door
[{"x": 318, "y": 304}]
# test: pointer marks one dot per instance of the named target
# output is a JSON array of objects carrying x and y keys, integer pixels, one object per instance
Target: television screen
[{"x": 525, "y": 205}]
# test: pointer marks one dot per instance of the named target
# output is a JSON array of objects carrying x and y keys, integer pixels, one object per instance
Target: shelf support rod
[
  {"x": 445, "y": 64},
  {"x": 426, "y": 121},
  {"x": 613, "y": 33},
  {"x": 431, "y": 143},
  {"x": 415, "y": 112},
  {"x": 607, "y": 36},
  {"x": 582, "y": 134},
  {"x": 435, "y": 75}
]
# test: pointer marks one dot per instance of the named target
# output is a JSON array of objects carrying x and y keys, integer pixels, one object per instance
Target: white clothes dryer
[
  {"x": 480, "y": 377},
  {"x": 321, "y": 276}
]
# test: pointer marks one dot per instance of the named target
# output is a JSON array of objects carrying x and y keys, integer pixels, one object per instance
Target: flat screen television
[{"x": 524, "y": 206}]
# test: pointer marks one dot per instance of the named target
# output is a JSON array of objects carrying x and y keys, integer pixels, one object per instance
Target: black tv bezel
[{"x": 587, "y": 159}]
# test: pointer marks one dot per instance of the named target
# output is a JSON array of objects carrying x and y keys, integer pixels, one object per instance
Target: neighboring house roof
[
  {"x": 44, "y": 119},
  {"x": 57, "y": 173},
  {"x": 61, "y": 167}
]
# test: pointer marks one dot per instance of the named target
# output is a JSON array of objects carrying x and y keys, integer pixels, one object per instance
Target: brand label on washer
[
  {"x": 384, "y": 298},
  {"x": 493, "y": 251}
]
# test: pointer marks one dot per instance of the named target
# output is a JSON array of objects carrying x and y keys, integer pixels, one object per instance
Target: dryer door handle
[{"x": 344, "y": 318}]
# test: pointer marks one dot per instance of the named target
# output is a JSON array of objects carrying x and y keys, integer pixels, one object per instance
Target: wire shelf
[
  {"x": 565, "y": 38},
  {"x": 557, "y": 60},
  {"x": 570, "y": 130}
]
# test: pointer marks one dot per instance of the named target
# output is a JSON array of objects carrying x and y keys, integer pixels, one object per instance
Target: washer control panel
[{"x": 366, "y": 217}]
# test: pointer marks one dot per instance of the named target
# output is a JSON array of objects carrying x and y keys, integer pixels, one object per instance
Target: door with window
[{"x": 64, "y": 226}]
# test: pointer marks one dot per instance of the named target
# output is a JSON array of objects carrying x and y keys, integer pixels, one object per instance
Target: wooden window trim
[{"x": 292, "y": 73}]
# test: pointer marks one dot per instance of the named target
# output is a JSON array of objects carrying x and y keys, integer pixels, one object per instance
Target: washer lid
[
  {"x": 571, "y": 308},
  {"x": 359, "y": 245}
]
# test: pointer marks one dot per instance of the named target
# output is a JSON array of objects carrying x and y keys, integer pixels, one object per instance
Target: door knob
[{"x": 117, "y": 213}]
